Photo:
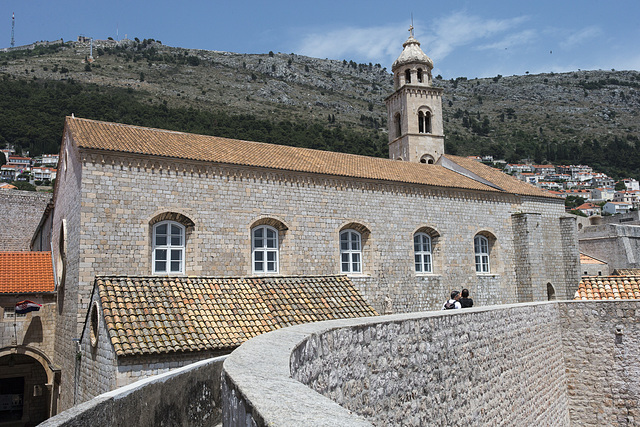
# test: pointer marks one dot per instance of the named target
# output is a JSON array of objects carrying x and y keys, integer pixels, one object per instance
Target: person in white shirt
[{"x": 453, "y": 302}]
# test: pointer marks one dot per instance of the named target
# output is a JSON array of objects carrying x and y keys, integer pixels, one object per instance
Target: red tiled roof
[
  {"x": 151, "y": 315},
  {"x": 115, "y": 137},
  {"x": 26, "y": 272},
  {"x": 626, "y": 272},
  {"x": 608, "y": 288}
]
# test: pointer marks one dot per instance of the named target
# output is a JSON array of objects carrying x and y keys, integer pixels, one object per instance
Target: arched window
[
  {"x": 398, "y": 126},
  {"x": 481, "y": 249},
  {"x": 422, "y": 253},
  {"x": 419, "y": 75},
  {"x": 350, "y": 251},
  {"x": 264, "y": 249},
  {"x": 424, "y": 122},
  {"x": 427, "y": 158},
  {"x": 168, "y": 248},
  {"x": 407, "y": 76}
]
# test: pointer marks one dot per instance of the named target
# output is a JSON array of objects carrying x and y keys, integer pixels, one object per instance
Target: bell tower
[{"x": 414, "y": 110}]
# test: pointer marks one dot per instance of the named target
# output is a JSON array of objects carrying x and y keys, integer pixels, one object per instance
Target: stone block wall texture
[
  {"x": 20, "y": 214},
  {"x": 616, "y": 244},
  {"x": 188, "y": 396},
  {"x": 556, "y": 364},
  {"x": 35, "y": 330},
  {"x": 119, "y": 200},
  {"x": 72, "y": 296},
  {"x": 601, "y": 348}
]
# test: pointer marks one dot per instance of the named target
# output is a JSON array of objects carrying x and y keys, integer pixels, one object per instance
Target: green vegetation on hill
[
  {"x": 32, "y": 117},
  {"x": 579, "y": 117}
]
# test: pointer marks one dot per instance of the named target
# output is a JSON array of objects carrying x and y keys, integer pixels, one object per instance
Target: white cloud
[
  {"x": 581, "y": 36},
  {"x": 461, "y": 29},
  {"x": 377, "y": 43},
  {"x": 381, "y": 43},
  {"x": 511, "y": 40}
]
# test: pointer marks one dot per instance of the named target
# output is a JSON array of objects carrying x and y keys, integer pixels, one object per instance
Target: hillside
[{"x": 579, "y": 117}]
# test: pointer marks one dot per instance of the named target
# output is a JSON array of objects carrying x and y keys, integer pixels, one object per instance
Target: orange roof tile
[
  {"x": 96, "y": 135},
  {"x": 26, "y": 272},
  {"x": 150, "y": 315},
  {"x": 608, "y": 288}
]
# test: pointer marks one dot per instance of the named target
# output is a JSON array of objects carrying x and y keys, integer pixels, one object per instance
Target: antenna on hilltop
[{"x": 13, "y": 27}]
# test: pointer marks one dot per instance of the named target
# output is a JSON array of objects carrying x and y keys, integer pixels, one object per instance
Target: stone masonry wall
[
  {"x": 35, "y": 330},
  {"x": 120, "y": 198},
  {"x": 601, "y": 347},
  {"x": 188, "y": 396},
  {"x": 466, "y": 369},
  {"x": 70, "y": 319},
  {"x": 553, "y": 364},
  {"x": 20, "y": 213},
  {"x": 616, "y": 244}
]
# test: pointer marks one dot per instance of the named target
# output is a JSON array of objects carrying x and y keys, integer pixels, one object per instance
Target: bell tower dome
[{"x": 414, "y": 110}]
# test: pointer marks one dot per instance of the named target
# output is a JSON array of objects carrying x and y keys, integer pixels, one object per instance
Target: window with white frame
[
  {"x": 264, "y": 249},
  {"x": 350, "y": 252},
  {"x": 422, "y": 253},
  {"x": 168, "y": 248},
  {"x": 481, "y": 249}
]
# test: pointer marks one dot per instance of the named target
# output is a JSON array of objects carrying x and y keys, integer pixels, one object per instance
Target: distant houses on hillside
[{"x": 37, "y": 169}]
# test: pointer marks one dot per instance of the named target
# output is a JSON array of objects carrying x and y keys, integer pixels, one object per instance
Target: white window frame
[
  {"x": 422, "y": 255},
  {"x": 265, "y": 250},
  {"x": 350, "y": 252},
  {"x": 481, "y": 251},
  {"x": 171, "y": 247}
]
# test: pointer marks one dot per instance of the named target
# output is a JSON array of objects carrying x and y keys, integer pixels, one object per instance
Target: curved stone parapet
[
  {"x": 187, "y": 396},
  {"x": 523, "y": 364}
]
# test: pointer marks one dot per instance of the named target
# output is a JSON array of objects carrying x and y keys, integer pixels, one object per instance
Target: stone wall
[
  {"x": 188, "y": 396},
  {"x": 120, "y": 199},
  {"x": 20, "y": 213},
  {"x": 617, "y": 245},
  {"x": 35, "y": 329},
  {"x": 68, "y": 239},
  {"x": 556, "y": 364},
  {"x": 601, "y": 348}
]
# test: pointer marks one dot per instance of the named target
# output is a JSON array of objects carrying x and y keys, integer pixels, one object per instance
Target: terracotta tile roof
[
  {"x": 626, "y": 272},
  {"x": 586, "y": 259},
  {"x": 502, "y": 180},
  {"x": 26, "y": 272},
  {"x": 91, "y": 134},
  {"x": 150, "y": 315},
  {"x": 608, "y": 288}
]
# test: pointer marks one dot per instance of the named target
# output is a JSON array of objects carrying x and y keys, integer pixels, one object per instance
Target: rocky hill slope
[{"x": 546, "y": 117}]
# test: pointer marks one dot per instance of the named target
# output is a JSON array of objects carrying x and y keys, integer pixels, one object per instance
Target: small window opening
[
  {"x": 419, "y": 75},
  {"x": 398, "y": 127},
  {"x": 407, "y": 76}
]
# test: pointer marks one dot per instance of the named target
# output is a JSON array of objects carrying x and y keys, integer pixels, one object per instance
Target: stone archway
[{"x": 30, "y": 383}]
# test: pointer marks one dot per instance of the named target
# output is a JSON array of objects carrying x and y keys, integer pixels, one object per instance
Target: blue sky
[{"x": 464, "y": 38}]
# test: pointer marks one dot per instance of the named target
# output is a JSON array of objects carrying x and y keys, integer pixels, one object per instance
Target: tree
[{"x": 620, "y": 186}]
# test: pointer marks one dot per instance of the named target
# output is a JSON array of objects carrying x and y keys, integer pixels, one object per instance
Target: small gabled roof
[
  {"x": 26, "y": 272},
  {"x": 155, "y": 315},
  {"x": 114, "y": 137},
  {"x": 608, "y": 288}
]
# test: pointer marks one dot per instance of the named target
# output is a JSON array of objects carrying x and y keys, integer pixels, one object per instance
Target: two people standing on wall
[{"x": 458, "y": 300}]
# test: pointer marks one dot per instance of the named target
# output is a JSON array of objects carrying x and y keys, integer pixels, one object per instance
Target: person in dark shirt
[{"x": 465, "y": 301}]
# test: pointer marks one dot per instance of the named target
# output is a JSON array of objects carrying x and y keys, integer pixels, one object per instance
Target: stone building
[
  {"x": 132, "y": 201},
  {"x": 29, "y": 379},
  {"x": 20, "y": 212}
]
